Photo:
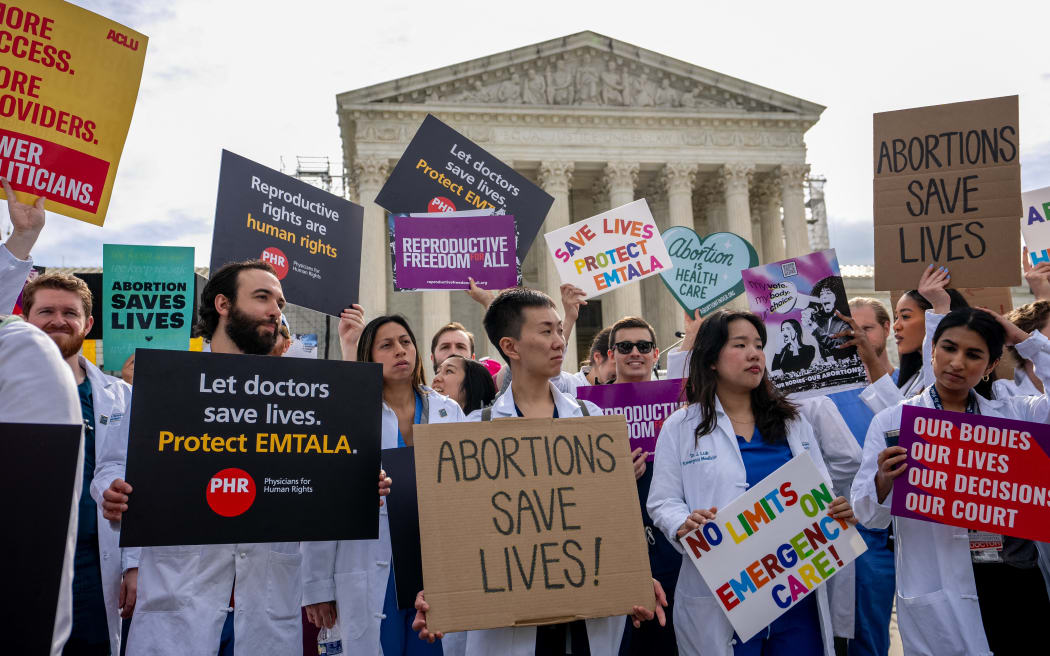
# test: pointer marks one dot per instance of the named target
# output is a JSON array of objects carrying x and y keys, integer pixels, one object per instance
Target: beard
[
  {"x": 68, "y": 343},
  {"x": 243, "y": 331}
]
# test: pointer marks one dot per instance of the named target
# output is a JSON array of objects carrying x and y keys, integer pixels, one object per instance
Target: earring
[{"x": 986, "y": 377}]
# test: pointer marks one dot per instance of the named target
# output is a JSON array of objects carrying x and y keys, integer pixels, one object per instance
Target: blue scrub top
[
  {"x": 856, "y": 413},
  {"x": 762, "y": 458},
  {"x": 415, "y": 420}
]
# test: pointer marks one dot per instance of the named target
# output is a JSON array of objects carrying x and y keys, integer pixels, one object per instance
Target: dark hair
[
  {"x": 989, "y": 329},
  {"x": 834, "y": 285},
  {"x": 600, "y": 344},
  {"x": 504, "y": 316},
  {"x": 771, "y": 408},
  {"x": 1029, "y": 318},
  {"x": 478, "y": 386},
  {"x": 796, "y": 326},
  {"x": 447, "y": 328},
  {"x": 911, "y": 363},
  {"x": 224, "y": 281},
  {"x": 629, "y": 322},
  {"x": 368, "y": 339}
]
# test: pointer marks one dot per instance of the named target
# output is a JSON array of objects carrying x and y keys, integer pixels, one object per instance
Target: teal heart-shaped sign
[{"x": 706, "y": 273}]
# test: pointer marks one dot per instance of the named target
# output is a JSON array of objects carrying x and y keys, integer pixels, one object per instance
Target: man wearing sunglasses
[{"x": 632, "y": 347}]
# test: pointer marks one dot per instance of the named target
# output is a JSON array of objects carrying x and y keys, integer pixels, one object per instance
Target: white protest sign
[
  {"x": 1035, "y": 224},
  {"x": 609, "y": 250},
  {"x": 772, "y": 546}
]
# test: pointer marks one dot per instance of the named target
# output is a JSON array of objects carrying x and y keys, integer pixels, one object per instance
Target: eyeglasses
[{"x": 626, "y": 347}]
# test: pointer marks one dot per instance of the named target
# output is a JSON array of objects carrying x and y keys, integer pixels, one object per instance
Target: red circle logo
[
  {"x": 230, "y": 492},
  {"x": 440, "y": 204},
  {"x": 277, "y": 259}
]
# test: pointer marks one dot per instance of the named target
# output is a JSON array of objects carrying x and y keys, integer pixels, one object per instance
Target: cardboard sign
[
  {"x": 983, "y": 473},
  {"x": 246, "y": 448},
  {"x": 948, "y": 192},
  {"x": 33, "y": 577},
  {"x": 441, "y": 252},
  {"x": 71, "y": 78},
  {"x": 797, "y": 299},
  {"x": 1035, "y": 224},
  {"x": 403, "y": 514},
  {"x": 609, "y": 250},
  {"x": 515, "y": 523},
  {"x": 147, "y": 299},
  {"x": 643, "y": 405},
  {"x": 706, "y": 273},
  {"x": 773, "y": 546},
  {"x": 311, "y": 237},
  {"x": 441, "y": 170},
  {"x": 996, "y": 299}
]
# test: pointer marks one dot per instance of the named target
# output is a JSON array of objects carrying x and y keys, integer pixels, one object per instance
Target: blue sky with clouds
[{"x": 260, "y": 78}]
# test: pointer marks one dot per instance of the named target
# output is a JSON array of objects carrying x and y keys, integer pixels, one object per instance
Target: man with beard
[
  {"x": 104, "y": 578},
  {"x": 230, "y": 599}
]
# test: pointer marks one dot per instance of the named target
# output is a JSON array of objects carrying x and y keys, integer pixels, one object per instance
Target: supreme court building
[{"x": 596, "y": 123}]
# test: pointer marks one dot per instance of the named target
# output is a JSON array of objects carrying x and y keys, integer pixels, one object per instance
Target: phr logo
[
  {"x": 230, "y": 492},
  {"x": 440, "y": 204},
  {"x": 277, "y": 259}
]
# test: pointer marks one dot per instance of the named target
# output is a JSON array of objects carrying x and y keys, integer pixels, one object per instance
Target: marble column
[
  {"x": 737, "y": 180},
  {"x": 796, "y": 234},
  {"x": 677, "y": 180},
  {"x": 555, "y": 177},
  {"x": 369, "y": 175},
  {"x": 619, "y": 179},
  {"x": 767, "y": 200}
]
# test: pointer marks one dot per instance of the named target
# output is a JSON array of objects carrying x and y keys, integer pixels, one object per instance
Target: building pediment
[{"x": 584, "y": 70}]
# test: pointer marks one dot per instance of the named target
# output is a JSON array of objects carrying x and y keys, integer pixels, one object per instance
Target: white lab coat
[
  {"x": 715, "y": 480},
  {"x": 37, "y": 387},
  {"x": 937, "y": 607},
  {"x": 13, "y": 272},
  {"x": 603, "y": 633},
  {"x": 111, "y": 398},
  {"x": 354, "y": 573}
]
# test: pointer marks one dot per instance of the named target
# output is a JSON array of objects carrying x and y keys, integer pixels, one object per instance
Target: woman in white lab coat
[
  {"x": 953, "y": 599},
  {"x": 351, "y": 582},
  {"x": 736, "y": 430}
]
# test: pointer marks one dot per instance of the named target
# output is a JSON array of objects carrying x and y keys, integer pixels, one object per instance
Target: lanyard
[{"x": 971, "y": 401}]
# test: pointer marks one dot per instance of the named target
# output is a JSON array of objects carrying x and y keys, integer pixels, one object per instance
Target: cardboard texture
[
  {"x": 515, "y": 522},
  {"x": 1035, "y": 224},
  {"x": 947, "y": 190},
  {"x": 996, "y": 299}
]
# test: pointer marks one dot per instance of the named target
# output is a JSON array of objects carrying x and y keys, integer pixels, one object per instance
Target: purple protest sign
[
  {"x": 983, "y": 473},
  {"x": 442, "y": 252},
  {"x": 644, "y": 405}
]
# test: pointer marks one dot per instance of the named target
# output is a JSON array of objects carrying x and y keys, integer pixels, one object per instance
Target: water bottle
[{"x": 329, "y": 642}]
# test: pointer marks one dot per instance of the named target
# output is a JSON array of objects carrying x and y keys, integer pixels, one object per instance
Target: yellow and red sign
[{"x": 68, "y": 83}]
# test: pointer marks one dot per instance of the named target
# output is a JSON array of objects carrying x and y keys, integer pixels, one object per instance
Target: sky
[{"x": 260, "y": 78}]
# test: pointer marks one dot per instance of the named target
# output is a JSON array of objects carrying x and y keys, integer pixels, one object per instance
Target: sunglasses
[{"x": 625, "y": 348}]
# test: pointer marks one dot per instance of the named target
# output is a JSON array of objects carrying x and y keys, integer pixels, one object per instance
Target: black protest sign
[
  {"x": 442, "y": 171},
  {"x": 246, "y": 448},
  {"x": 94, "y": 283},
  {"x": 311, "y": 237},
  {"x": 947, "y": 192},
  {"x": 403, "y": 514},
  {"x": 42, "y": 458}
]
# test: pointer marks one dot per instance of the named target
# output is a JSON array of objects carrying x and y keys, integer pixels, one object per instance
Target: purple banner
[
  {"x": 983, "y": 473},
  {"x": 441, "y": 253},
  {"x": 644, "y": 405}
]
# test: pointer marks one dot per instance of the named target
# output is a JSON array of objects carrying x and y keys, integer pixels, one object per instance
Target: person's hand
[
  {"x": 931, "y": 287},
  {"x": 384, "y": 485},
  {"x": 351, "y": 325},
  {"x": 571, "y": 300},
  {"x": 840, "y": 509},
  {"x": 420, "y": 622},
  {"x": 482, "y": 296},
  {"x": 696, "y": 519},
  {"x": 322, "y": 615},
  {"x": 641, "y": 614},
  {"x": 807, "y": 320},
  {"x": 1014, "y": 334},
  {"x": 115, "y": 500},
  {"x": 129, "y": 588},
  {"x": 27, "y": 220},
  {"x": 865, "y": 349},
  {"x": 692, "y": 327},
  {"x": 638, "y": 457},
  {"x": 1037, "y": 277},
  {"x": 891, "y": 465}
]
